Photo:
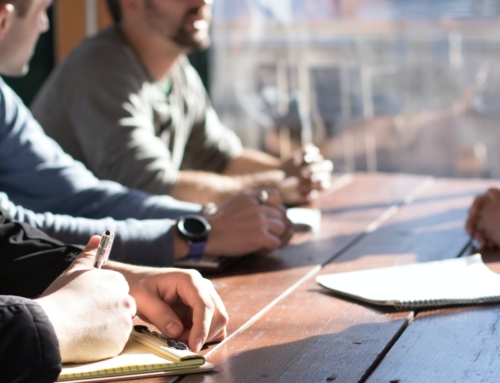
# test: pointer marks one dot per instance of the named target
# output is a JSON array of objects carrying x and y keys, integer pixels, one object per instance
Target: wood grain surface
[
  {"x": 459, "y": 345},
  {"x": 285, "y": 328},
  {"x": 253, "y": 283},
  {"x": 355, "y": 202},
  {"x": 448, "y": 345},
  {"x": 313, "y": 336}
]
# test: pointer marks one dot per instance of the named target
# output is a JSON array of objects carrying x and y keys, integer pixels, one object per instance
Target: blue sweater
[{"x": 43, "y": 186}]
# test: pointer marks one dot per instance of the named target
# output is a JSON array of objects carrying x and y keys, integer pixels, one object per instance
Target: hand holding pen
[
  {"x": 76, "y": 303},
  {"x": 104, "y": 249}
]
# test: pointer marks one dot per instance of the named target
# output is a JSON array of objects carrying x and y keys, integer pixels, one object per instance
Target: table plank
[
  {"x": 311, "y": 335},
  {"x": 430, "y": 228},
  {"x": 459, "y": 345},
  {"x": 447, "y": 345}
]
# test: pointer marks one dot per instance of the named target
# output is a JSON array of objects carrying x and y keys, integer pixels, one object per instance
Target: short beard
[
  {"x": 191, "y": 42},
  {"x": 159, "y": 21}
]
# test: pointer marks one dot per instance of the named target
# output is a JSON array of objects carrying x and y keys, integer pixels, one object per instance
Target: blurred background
[{"x": 408, "y": 86}]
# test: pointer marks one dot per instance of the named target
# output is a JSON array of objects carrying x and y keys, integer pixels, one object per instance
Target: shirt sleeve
[
  {"x": 37, "y": 174},
  {"x": 139, "y": 242},
  {"x": 29, "y": 350}
]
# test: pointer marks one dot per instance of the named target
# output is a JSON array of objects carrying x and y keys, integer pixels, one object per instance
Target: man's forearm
[
  {"x": 252, "y": 161},
  {"x": 146, "y": 242},
  {"x": 204, "y": 187}
]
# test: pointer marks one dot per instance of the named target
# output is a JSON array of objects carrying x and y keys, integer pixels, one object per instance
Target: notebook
[
  {"x": 304, "y": 219},
  {"x": 457, "y": 281},
  {"x": 146, "y": 354}
]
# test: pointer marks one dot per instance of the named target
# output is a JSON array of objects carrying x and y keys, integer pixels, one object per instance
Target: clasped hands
[
  {"x": 306, "y": 173},
  {"x": 483, "y": 222},
  {"x": 91, "y": 310}
]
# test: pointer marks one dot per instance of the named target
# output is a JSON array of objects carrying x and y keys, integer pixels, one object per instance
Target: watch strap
[{"x": 196, "y": 250}]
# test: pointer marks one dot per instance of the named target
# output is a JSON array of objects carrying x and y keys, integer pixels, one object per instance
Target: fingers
[
  {"x": 160, "y": 314},
  {"x": 273, "y": 197},
  {"x": 131, "y": 305},
  {"x": 316, "y": 177},
  {"x": 209, "y": 314},
  {"x": 480, "y": 238},
  {"x": 474, "y": 210},
  {"x": 274, "y": 221},
  {"x": 490, "y": 194},
  {"x": 278, "y": 226},
  {"x": 302, "y": 157},
  {"x": 288, "y": 233},
  {"x": 86, "y": 258},
  {"x": 218, "y": 331},
  {"x": 269, "y": 241},
  {"x": 183, "y": 305},
  {"x": 317, "y": 168}
]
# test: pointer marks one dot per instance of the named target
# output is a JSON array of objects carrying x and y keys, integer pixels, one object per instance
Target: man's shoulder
[
  {"x": 105, "y": 51},
  {"x": 9, "y": 101}
]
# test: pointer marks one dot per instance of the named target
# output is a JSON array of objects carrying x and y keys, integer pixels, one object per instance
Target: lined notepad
[
  {"x": 138, "y": 359},
  {"x": 458, "y": 281}
]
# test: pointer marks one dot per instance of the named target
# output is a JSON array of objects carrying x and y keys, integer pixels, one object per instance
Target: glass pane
[{"x": 380, "y": 85}]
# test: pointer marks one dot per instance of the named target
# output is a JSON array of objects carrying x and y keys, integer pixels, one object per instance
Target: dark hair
[
  {"x": 21, "y": 6},
  {"x": 115, "y": 10}
]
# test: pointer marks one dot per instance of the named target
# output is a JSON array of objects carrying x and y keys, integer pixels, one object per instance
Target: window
[{"x": 380, "y": 85}]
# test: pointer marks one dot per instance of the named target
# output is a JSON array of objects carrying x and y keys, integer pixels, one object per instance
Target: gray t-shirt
[{"x": 102, "y": 106}]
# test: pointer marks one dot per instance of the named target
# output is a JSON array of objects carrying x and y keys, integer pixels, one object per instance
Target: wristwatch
[{"x": 194, "y": 228}]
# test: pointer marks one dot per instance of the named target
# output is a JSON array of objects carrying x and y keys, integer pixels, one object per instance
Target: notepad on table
[
  {"x": 304, "y": 219},
  {"x": 143, "y": 356},
  {"x": 457, "y": 281}
]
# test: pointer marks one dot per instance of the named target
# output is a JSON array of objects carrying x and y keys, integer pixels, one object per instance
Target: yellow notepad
[{"x": 144, "y": 355}]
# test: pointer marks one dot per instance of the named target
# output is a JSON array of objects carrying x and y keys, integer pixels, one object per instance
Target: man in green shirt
[{"x": 128, "y": 104}]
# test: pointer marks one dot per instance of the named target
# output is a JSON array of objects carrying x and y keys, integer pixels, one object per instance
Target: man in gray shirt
[{"x": 129, "y": 105}]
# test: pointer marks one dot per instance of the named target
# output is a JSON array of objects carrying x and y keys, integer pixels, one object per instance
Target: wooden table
[{"x": 285, "y": 328}]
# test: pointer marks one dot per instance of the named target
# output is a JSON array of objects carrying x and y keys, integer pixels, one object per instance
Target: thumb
[{"x": 86, "y": 258}]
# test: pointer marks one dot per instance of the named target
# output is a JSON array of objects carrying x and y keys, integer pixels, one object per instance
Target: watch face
[{"x": 194, "y": 227}]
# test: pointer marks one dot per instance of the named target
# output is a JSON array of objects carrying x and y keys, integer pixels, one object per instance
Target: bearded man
[{"x": 128, "y": 104}]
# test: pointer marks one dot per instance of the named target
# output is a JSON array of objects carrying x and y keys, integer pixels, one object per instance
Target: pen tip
[{"x": 107, "y": 232}]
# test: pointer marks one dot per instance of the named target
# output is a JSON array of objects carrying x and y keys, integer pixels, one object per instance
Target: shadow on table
[{"x": 342, "y": 355}]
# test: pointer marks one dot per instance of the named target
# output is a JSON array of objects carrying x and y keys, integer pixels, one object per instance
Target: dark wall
[{"x": 200, "y": 62}]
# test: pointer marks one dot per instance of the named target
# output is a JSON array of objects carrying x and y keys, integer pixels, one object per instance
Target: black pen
[{"x": 102, "y": 254}]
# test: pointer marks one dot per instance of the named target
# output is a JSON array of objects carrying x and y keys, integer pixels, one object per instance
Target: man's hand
[
  {"x": 473, "y": 218},
  {"x": 307, "y": 172},
  {"x": 180, "y": 303},
  {"x": 244, "y": 225},
  {"x": 90, "y": 310},
  {"x": 484, "y": 219}
]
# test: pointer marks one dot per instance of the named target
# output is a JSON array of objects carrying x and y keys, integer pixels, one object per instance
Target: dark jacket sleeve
[
  {"x": 29, "y": 259},
  {"x": 29, "y": 351}
]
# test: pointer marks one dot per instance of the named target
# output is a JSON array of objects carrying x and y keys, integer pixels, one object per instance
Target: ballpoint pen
[{"x": 104, "y": 249}]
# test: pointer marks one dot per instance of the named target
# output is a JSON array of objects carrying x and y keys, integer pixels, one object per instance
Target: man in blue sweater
[{"x": 42, "y": 185}]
